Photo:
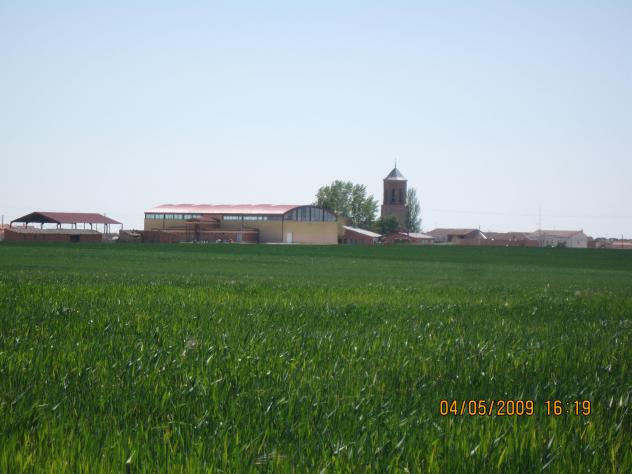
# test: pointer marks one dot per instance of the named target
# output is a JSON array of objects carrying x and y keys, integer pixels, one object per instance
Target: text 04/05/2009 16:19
[{"x": 513, "y": 407}]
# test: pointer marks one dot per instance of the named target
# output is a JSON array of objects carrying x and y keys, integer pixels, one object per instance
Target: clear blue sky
[{"x": 492, "y": 109}]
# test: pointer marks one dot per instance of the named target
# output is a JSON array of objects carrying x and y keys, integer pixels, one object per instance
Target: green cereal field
[{"x": 229, "y": 358}]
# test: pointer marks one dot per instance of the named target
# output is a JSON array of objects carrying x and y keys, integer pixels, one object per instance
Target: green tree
[
  {"x": 413, "y": 211},
  {"x": 349, "y": 201},
  {"x": 387, "y": 225}
]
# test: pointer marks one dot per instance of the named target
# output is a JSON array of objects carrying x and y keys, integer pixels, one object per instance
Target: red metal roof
[
  {"x": 274, "y": 209},
  {"x": 66, "y": 218}
]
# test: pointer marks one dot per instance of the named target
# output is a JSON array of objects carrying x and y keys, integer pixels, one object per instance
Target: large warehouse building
[{"x": 266, "y": 223}]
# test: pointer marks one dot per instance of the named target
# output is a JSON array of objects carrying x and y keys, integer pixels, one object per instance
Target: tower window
[
  {"x": 392, "y": 196},
  {"x": 401, "y": 196}
]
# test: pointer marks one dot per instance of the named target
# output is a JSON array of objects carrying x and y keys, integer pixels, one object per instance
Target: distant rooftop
[
  {"x": 554, "y": 233},
  {"x": 507, "y": 235},
  {"x": 368, "y": 233},
  {"x": 443, "y": 231},
  {"x": 417, "y": 235}
]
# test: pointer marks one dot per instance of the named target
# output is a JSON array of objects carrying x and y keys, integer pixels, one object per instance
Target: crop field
[{"x": 232, "y": 358}]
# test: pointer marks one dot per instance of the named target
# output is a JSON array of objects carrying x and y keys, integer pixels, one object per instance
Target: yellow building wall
[
  {"x": 269, "y": 231},
  {"x": 311, "y": 232},
  {"x": 302, "y": 232}
]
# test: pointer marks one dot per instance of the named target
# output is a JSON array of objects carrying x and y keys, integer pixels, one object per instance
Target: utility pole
[{"x": 540, "y": 225}]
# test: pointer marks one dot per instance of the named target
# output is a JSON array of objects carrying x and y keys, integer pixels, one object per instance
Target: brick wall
[
  {"x": 12, "y": 236},
  {"x": 167, "y": 237}
]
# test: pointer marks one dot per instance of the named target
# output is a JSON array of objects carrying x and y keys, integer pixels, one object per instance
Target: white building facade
[{"x": 561, "y": 238}]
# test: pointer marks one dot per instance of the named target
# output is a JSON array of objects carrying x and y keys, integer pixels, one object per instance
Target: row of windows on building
[
  {"x": 310, "y": 213},
  {"x": 179, "y": 217},
  {"x": 252, "y": 218},
  {"x": 307, "y": 213}
]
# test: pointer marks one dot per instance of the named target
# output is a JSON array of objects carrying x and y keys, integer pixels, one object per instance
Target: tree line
[{"x": 351, "y": 202}]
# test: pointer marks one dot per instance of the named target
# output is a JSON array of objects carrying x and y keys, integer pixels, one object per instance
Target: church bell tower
[{"x": 394, "y": 203}]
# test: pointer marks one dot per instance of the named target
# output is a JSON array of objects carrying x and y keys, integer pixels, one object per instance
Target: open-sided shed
[{"x": 68, "y": 218}]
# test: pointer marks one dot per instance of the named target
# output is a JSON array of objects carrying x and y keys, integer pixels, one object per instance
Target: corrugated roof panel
[
  {"x": 66, "y": 218},
  {"x": 417, "y": 235},
  {"x": 368, "y": 233},
  {"x": 246, "y": 209}
]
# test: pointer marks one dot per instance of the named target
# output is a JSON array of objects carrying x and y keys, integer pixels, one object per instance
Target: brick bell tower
[{"x": 394, "y": 203}]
